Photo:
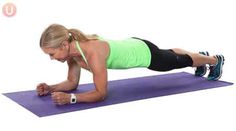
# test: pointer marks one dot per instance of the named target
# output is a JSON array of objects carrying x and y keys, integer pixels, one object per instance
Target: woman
[{"x": 96, "y": 54}]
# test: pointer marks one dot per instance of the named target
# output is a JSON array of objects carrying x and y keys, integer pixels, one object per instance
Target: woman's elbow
[
  {"x": 102, "y": 96},
  {"x": 74, "y": 85}
]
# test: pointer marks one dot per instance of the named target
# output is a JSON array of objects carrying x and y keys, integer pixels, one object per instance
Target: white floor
[{"x": 192, "y": 25}]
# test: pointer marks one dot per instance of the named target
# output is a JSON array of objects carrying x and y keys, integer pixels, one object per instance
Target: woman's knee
[{"x": 180, "y": 51}]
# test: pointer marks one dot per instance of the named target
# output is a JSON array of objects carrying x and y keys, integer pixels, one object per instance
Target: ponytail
[{"x": 77, "y": 35}]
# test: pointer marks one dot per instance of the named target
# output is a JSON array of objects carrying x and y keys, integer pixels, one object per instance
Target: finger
[
  {"x": 44, "y": 85},
  {"x": 54, "y": 98},
  {"x": 39, "y": 92},
  {"x": 56, "y": 102},
  {"x": 60, "y": 104},
  {"x": 40, "y": 84},
  {"x": 53, "y": 94},
  {"x": 40, "y": 88},
  {"x": 45, "y": 92}
]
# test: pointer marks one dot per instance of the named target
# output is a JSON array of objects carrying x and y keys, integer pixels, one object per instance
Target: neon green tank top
[{"x": 127, "y": 53}]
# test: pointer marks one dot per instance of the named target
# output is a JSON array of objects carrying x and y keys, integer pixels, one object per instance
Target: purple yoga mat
[{"x": 119, "y": 91}]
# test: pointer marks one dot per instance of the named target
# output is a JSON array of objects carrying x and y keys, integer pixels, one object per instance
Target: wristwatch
[{"x": 73, "y": 98}]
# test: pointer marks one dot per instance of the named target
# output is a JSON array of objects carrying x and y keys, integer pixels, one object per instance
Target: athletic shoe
[
  {"x": 201, "y": 70},
  {"x": 216, "y": 70}
]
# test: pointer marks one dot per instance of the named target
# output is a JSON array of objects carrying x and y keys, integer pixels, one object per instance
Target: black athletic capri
[{"x": 165, "y": 60}]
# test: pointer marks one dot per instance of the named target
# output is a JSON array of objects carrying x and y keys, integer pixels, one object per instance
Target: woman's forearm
[
  {"x": 91, "y": 96},
  {"x": 63, "y": 86}
]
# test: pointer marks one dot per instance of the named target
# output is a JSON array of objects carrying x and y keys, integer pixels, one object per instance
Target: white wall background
[{"x": 193, "y": 25}]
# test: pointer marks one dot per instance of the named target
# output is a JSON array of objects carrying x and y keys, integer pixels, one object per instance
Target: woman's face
[{"x": 61, "y": 53}]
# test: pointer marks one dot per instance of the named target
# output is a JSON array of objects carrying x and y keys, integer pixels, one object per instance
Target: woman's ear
[{"x": 65, "y": 44}]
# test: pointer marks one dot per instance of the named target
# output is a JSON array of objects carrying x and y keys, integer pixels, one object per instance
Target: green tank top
[{"x": 127, "y": 53}]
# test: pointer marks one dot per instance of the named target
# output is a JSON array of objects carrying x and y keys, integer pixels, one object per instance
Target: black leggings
[{"x": 165, "y": 60}]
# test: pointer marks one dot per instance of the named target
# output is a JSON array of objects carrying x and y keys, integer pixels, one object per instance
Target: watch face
[{"x": 73, "y": 99}]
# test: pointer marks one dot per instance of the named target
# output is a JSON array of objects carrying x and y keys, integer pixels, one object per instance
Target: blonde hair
[{"x": 55, "y": 34}]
